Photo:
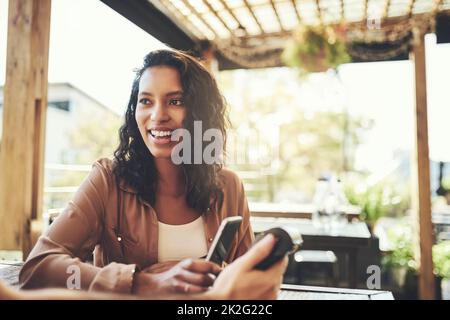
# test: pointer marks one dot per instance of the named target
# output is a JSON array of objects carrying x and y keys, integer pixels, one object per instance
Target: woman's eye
[
  {"x": 144, "y": 101},
  {"x": 176, "y": 102}
]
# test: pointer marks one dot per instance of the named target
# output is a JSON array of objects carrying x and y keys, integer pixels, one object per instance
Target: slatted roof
[
  {"x": 252, "y": 33},
  {"x": 219, "y": 19}
]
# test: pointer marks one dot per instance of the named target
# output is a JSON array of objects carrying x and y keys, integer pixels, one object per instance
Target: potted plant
[
  {"x": 316, "y": 48},
  {"x": 400, "y": 262},
  {"x": 377, "y": 201},
  {"x": 402, "y": 269},
  {"x": 441, "y": 261}
]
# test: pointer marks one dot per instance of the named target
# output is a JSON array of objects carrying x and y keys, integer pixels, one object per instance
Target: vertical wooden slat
[
  {"x": 209, "y": 60},
  {"x": 437, "y": 4},
  {"x": 40, "y": 47},
  {"x": 297, "y": 12},
  {"x": 319, "y": 12},
  {"x": 192, "y": 27},
  {"x": 211, "y": 9},
  {"x": 199, "y": 16},
  {"x": 25, "y": 101},
  {"x": 422, "y": 174},
  {"x": 386, "y": 9},
  {"x": 366, "y": 9},
  {"x": 225, "y": 5},
  {"x": 249, "y": 8},
  {"x": 16, "y": 160},
  {"x": 409, "y": 11},
  {"x": 277, "y": 15},
  {"x": 342, "y": 11}
]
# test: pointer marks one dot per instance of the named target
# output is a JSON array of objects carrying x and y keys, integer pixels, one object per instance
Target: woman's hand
[
  {"x": 240, "y": 279},
  {"x": 160, "y": 267},
  {"x": 188, "y": 276}
]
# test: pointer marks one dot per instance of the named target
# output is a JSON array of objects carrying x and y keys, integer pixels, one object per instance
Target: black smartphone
[
  {"x": 284, "y": 245},
  {"x": 220, "y": 247}
]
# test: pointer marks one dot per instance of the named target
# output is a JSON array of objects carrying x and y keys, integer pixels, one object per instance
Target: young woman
[{"x": 141, "y": 211}]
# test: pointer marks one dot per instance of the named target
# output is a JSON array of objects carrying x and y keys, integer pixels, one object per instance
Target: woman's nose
[{"x": 159, "y": 113}]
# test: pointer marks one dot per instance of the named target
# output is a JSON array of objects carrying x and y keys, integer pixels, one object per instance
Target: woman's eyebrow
[
  {"x": 174, "y": 93},
  {"x": 169, "y": 94}
]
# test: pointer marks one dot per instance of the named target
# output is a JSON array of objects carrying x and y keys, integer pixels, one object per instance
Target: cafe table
[
  {"x": 346, "y": 238},
  {"x": 9, "y": 273},
  {"x": 295, "y": 210}
]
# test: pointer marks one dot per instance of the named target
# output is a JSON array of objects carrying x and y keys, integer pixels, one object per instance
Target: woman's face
[{"x": 160, "y": 109}]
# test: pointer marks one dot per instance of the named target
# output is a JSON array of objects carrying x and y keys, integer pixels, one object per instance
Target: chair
[{"x": 312, "y": 267}]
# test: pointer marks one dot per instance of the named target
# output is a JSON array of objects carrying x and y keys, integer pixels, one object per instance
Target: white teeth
[{"x": 161, "y": 133}]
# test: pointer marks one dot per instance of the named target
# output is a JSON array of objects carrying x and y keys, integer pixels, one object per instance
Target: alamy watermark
[
  {"x": 373, "y": 282},
  {"x": 73, "y": 282},
  {"x": 244, "y": 146},
  {"x": 212, "y": 153}
]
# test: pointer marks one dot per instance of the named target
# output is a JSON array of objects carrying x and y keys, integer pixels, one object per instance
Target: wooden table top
[
  {"x": 9, "y": 272},
  {"x": 294, "y": 292},
  {"x": 291, "y": 210}
]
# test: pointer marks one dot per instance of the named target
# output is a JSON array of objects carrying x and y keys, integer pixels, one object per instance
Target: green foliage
[
  {"x": 446, "y": 183},
  {"x": 381, "y": 199},
  {"x": 402, "y": 256},
  {"x": 441, "y": 259},
  {"x": 315, "y": 49}
]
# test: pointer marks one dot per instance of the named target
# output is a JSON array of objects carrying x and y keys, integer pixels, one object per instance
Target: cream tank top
[{"x": 177, "y": 242}]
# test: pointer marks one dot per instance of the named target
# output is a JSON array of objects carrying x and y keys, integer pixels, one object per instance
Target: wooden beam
[
  {"x": 25, "y": 103},
  {"x": 366, "y": 9},
  {"x": 275, "y": 11},
  {"x": 297, "y": 12},
  {"x": 411, "y": 4},
  {"x": 386, "y": 9},
  {"x": 436, "y": 6},
  {"x": 211, "y": 9},
  {"x": 225, "y": 5},
  {"x": 422, "y": 174},
  {"x": 148, "y": 17},
  {"x": 40, "y": 46},
  {"x": 319, "y": 12},
  {"x": 249, "y": 8},
  {"x": 183, "y": 19},
  {"x": 199, "y": 16}
]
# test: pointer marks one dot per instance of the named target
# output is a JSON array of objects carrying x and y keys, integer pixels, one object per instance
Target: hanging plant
[{"x": 316, "y": 48}]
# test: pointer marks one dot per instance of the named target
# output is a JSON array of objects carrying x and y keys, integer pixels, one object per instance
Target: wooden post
[
  {"x": 24, "y": 114},
  {"x": 422, "y": 174},
  {"x": 208, "y": 57},
  {"x": 40, "y": 43}
]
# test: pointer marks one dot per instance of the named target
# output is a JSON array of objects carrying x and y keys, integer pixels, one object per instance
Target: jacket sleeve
[
  {"x": 245, "y": 236},
  {"x": 58, "y": 258}
]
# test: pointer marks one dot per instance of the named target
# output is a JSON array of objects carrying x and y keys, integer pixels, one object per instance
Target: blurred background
[{"x": 352, "y": 125}]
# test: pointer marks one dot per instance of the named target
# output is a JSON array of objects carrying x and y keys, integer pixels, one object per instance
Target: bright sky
[
  {"x": 96, "y": 49},
  {"x": 92, "y": 47},
  {"x": 385, "y": 92}
]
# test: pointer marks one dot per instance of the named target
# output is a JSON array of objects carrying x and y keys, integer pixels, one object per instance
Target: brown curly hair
[{"x": 204, "y": 102}]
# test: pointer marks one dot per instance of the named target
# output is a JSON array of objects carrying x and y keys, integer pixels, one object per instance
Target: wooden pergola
[{"x": 244, "y": 34}]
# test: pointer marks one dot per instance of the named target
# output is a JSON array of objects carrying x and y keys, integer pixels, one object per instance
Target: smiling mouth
[{"x": 161, "y": 134}]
